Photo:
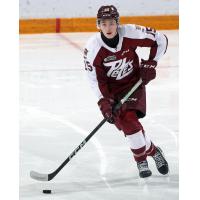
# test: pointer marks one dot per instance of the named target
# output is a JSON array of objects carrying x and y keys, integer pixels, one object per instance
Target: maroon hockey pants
[{"x": 128, "y": 122}]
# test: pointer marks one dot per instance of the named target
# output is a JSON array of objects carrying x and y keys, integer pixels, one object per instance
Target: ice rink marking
[{"x": 172, "y": 133}]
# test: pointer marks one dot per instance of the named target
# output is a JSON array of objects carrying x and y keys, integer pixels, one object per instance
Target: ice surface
[{"x": 58, "y": 110}]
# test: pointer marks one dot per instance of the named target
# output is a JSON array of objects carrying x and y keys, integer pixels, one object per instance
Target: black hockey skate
[
  {"x": 143, "y": 168},
  {"x": 160, "y": 161}
]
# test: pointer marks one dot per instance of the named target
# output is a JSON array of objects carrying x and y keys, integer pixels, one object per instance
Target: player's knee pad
[{"x": 129, "y": 123}]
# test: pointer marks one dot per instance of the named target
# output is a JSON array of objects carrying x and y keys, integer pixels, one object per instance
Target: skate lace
[
  {"x": 143, "y": 166},
  {"x": 159, "y": 160}
]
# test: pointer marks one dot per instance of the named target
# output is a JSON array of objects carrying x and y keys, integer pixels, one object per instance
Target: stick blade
[{"x": 39, "y": 176}]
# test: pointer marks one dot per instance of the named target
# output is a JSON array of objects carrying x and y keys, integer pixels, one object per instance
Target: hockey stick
[{"x": 47, "y": 177}]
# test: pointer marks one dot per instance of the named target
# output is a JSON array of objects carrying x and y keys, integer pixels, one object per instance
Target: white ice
[{"x": 58, "y": 110}]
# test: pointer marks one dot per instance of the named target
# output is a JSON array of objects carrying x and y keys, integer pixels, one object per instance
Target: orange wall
[{"x": 168, "y": 22}]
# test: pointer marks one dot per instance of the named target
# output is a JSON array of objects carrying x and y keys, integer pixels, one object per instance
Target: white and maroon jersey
[{"x": 113, "y": 71}]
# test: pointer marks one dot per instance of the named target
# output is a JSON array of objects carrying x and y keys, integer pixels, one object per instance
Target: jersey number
[
  {"x": 150, "y": 31},
  {"x": 87, "y": 66}
]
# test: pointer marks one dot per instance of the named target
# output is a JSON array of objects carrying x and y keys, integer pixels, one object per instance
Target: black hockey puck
[{"x": 47, "y": 191}]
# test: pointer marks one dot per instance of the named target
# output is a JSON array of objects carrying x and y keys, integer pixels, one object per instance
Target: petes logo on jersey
[{"x": 119, "y": 68}]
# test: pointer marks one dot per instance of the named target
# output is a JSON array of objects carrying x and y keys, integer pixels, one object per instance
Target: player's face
[{"x": 108, "y": 27}]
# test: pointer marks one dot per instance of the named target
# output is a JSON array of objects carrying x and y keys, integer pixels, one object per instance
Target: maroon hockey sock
[
  {"x": 152, "y": 150},
  {"x": 139, "y": 154}
]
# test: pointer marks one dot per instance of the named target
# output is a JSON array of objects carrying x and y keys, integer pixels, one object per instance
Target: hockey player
[{"x": 113, "y": 67}]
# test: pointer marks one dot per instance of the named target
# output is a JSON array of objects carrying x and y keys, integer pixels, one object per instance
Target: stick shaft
[{"x": 79, "y": 147}]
